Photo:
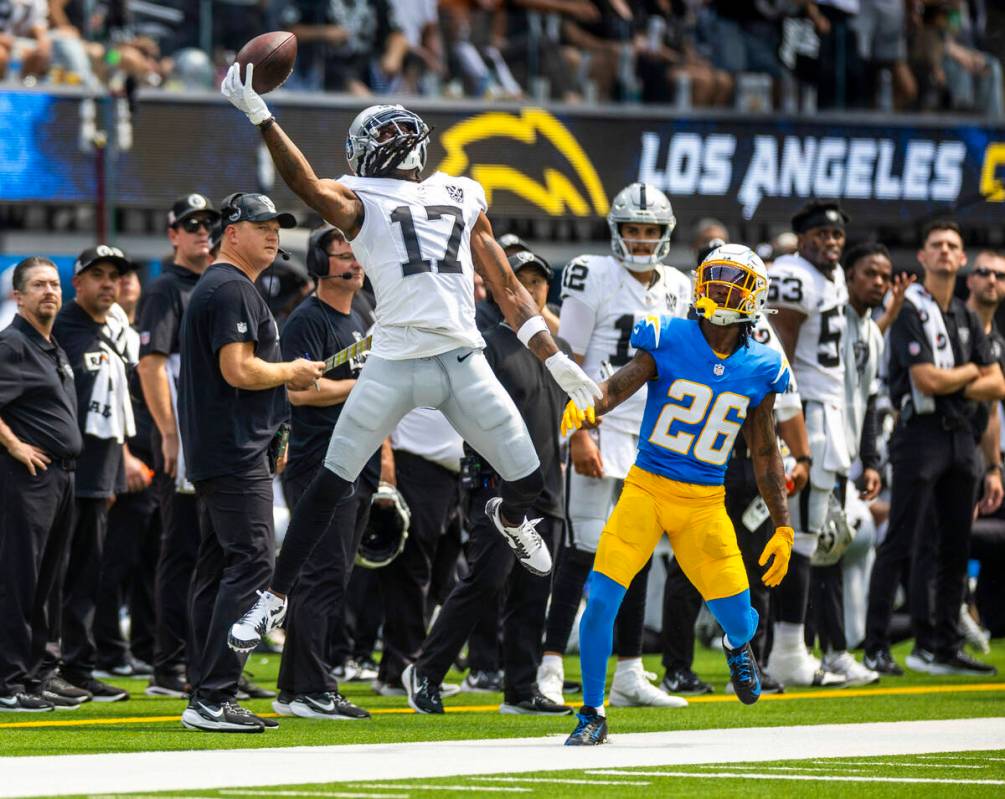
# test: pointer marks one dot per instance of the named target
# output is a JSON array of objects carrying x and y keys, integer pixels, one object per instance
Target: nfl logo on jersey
[
  {"x": 456, "y": 193},
  {"x": 718, "y": 370}
]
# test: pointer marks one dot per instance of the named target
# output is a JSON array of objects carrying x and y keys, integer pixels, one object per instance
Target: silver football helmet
[
  {"x": 642, "y": 204},
  {"x": 383, "y": 138}
]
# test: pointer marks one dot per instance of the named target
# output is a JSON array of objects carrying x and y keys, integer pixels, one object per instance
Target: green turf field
[{"x": 146, "y": 724}]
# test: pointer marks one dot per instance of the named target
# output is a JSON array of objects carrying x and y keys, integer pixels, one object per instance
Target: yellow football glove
[
  {"x": 573, "y": 418},
  {"x": 779, "y": 546}
]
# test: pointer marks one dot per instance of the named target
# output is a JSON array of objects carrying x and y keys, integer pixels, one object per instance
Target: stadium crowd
[
  {"x": 105, "y": 407},
  {"x": 930, "y": 55}
]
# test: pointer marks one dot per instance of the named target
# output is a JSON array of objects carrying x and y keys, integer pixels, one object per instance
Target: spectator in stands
[
  {"x": 601, "y": 50},
  {"x": 839, "y": 78},
  {"x": 424, "y": 64},
  {"x": 745, "y": 36},
  {"x": 474, "y": 30},
  {"x": 668, "y": 61},
  {"x": 882, "y": 41},
  {"x": 24, "y": 37},
  {"x": 357, "y": 45}
]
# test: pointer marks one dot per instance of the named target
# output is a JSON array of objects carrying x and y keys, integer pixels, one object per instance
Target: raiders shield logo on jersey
[{"x": 456, "y": 193}]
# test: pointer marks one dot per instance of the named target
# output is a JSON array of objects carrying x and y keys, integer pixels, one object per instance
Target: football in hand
[{"x": 273, "y": 55}]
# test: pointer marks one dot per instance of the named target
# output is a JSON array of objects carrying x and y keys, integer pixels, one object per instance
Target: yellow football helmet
[{"x": 731, "y": 285}]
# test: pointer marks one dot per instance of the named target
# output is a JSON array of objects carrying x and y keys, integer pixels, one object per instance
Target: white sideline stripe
[
  {"x": 726, "y": 775},
  {"x": 962, "y": 757},
  {"x": 342, "y": 794},
  {"x": 561, "y": 781},
  {"x": 412, "y": 786},
  {"x": 200, "y": 770}
]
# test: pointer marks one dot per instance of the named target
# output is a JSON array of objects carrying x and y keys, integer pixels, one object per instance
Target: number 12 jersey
[{"x": 415, "y": 245}]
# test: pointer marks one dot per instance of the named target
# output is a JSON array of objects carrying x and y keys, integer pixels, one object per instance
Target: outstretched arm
[
  {"x": 336, "y": 203},
  {"x": 615, "y": 390},
  {"x": 523, "y": 315}
]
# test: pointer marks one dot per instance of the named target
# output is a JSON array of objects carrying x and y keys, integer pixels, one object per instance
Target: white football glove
[
  {"x": 573, "y": 380},
  {"x": 242, "y": 96}
]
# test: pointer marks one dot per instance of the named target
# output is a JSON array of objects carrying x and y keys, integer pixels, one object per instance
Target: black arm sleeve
[{"x": 868, "y": 451}]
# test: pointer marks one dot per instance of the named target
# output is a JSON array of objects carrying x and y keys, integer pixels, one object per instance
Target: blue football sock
[
  {"x": 596, "y": 635},
  {"x": 736, "y": 617}
]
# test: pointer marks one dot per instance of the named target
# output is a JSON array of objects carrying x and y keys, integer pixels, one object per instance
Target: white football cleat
[
  {"x": 265, "y": 615},
  {"x": 853, "y": 672},
  {"x": 550, "y": 682},
  {"x": 632, "y": 688},
  {"x": 524, "y": 540},
  {"x": 799, "y": 667}
]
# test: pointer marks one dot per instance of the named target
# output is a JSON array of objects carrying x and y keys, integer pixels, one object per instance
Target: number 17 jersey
[
  {"x": 698, "y": 402},
  {"x": 415, "y": 246}
]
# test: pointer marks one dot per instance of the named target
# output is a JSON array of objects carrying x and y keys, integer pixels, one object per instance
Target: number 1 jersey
[
  {"x": 415, "y": 245},
  {"x": 609, "y": 301},
  {"x": 698, "y": 402}
]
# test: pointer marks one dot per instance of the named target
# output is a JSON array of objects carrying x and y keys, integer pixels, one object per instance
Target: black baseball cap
[
  {"x": 240, "y": 207},
  {"x": 191, "y": 204},
  {"x": 524, "y": 258},
  {"x": 103, "y": 253}
]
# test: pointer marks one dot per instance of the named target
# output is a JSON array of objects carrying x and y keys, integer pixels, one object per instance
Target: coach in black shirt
[
  {"x": 941, "y": 366},
  {"x": 40, "y": 443},
  {"x": 231, "y": 404},
  {"x": 93, "y": 339},
  {"x": 540, "y": 402},
  {"x": 160, "y": 313},
  {"x": 322, "y": 325}
]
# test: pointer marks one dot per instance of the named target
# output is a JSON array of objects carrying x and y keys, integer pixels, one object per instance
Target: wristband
[
  {"x": 805, "y": 459},
  {"x": 266, "y": 124},
  {"x": 994, "y": 467},
  {"x": 531, "y": 328}
]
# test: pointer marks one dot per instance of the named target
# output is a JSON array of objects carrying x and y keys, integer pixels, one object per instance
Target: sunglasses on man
[{"x": 193, "y": 223}]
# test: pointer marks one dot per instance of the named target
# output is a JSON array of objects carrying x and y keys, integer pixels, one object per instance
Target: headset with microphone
[{"x": 318, "y": 263}]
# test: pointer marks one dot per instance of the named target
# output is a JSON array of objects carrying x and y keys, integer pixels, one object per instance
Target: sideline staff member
[
  {"x": 231, "y": 404},
  {"x": 940, "y": 365},
  {"x": 41, "y": 441},
  {"x": 164, "y": 302}
]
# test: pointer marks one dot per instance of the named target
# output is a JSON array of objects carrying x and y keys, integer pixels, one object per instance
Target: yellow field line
[{"x": 838, "y": 693}]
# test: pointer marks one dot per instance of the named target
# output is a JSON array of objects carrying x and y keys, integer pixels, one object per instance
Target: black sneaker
[
  {"x": 57, "y": 685},
  {"x": 769, "y": 685},
  {"x": 100, "y": 691},
  {"x": 482, "y": 682},
  {"x": 921, "y": 660},
  {"x": 684, "y": 681},
  {"x": 115, "y": 671},
  {"x": 326, "y": 705},
  {"x": 171, "y": 685},
  {"x": 246, "y": 689},
  {"x": 281, "y": 704},
  {"x": 591, "y": 729},
  {"x": 961, "y": 663},
  {"x": 223, "y": 717},
  {"x": 25, "y": 703},
  {"x": 58, "y": 701},
  {"x": 267, "y": 723},
  {"x": 743, "y": 672},
  {"x": 882, "y": 661},
  {"x": 423, "y": 695},
  {"x": 536, "y": 705}
]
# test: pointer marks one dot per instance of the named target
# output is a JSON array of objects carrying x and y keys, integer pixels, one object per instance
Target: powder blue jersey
[{"x": 698, "y": 402}]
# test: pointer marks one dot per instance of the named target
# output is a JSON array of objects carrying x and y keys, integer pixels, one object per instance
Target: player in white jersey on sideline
[
  {"x": 603, "y": 296},
  {"x": 808, "y": 291},
  {"x": 420, "y": 242}
]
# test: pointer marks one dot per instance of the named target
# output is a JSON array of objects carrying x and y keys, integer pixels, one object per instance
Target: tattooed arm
[
  {"x": 514, "y": 300},
  {"x": 759, "y": 430},
  {"x": 336, "y": 203},
  {"x": 626, "y": 381}
]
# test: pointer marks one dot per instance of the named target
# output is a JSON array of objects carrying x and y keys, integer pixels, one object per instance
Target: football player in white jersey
[
  {"x": 421, "y": 241},
  {"x": 603, "y": 296},
  {"x": 808, "y": 291}
]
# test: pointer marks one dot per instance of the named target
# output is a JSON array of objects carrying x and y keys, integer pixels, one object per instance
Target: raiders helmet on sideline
[{"x": 387, "y": 529}]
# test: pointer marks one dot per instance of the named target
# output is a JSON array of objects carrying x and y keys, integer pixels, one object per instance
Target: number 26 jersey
[
  {"x": 819, "y": 358},
  {"x": 698, "y": 402},
  {"x": 415, "y": 245},
  {"x": 609, "y": 301}
]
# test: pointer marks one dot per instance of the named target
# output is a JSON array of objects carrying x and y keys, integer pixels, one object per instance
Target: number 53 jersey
[
  {"x": 415, "y": 245},
  {"x": 698, "y": 402},
  {"x": 601, "y": 302}
]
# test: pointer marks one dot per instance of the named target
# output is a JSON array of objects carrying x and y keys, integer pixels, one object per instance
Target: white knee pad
[{"x": 591, "y": 501}]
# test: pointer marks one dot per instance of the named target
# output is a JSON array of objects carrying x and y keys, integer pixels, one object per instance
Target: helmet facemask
[
  {"x": 728, "y": 289},
  {"x": 640, "y": 204},
  {"x": 385, "y": 139},
  {"x": 621, "y": 247}
]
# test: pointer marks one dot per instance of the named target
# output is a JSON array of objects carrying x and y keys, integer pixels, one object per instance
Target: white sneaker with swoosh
[{"x": 223, "y": 717}]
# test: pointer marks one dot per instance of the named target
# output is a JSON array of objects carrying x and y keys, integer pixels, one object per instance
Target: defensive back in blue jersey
[{"x": 698, "y": 401}]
